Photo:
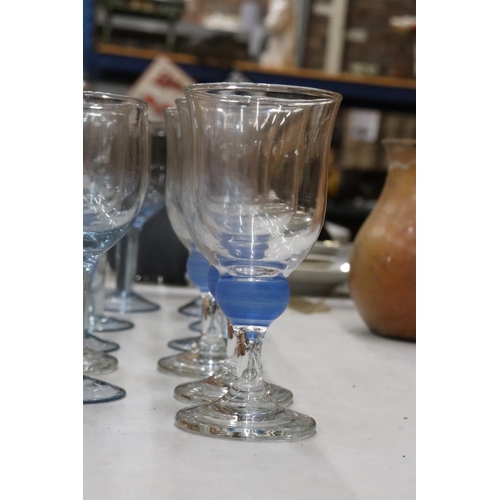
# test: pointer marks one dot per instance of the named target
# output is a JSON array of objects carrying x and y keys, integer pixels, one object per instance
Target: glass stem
[
  {"x": 127, "y": 252},
  {"x": 211, "y": 342},
  {"x": 86, "y": 282},
  {"x": 248, "y": 383},
  {"x": 97, "y": 287},
  {"x": 95, "y": 294}
]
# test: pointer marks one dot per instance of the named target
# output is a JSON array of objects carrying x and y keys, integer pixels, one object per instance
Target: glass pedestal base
[
  {"x": 192, "y": 308},
  {"x": 190, "y": 364},
  {"x": 186, "y": 344},
  {"x": 109, "y": 324},
  {"x": 96, "y": 362},
  {"x": 234, "y": 419},
  {"x": 128, "y": 302},
  {"x": 212, "y": 388},
  {"x": 195, "y": 326},
  {"x": 98, "y": 391},
  {"x": 97, "y": 344}
]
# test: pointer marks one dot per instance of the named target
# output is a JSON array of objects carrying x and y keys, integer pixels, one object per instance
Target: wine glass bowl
[
  {"x": 115, "y": 177},
  {"x": 257, "y": 192}
]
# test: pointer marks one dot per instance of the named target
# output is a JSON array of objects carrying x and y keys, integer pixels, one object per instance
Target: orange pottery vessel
[{"x": 382, "y": 276}]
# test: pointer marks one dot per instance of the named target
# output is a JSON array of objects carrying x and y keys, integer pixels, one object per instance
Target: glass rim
[
  {"x": 169, "y": 110},
  {"x": 319, "y": 96},
  {"x": 109, "y": 99}
]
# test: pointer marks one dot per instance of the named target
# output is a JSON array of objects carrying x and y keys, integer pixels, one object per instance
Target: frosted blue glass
[
  {"x": 197, "y": 268},
  {"x": 248, "y": 302}
]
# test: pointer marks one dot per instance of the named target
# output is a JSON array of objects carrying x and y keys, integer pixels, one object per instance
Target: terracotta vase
[{"x": 382, "y": 277}]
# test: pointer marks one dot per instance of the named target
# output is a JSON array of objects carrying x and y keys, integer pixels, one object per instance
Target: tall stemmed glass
[
  {"x": 216, "y": 385},
  {"x": 261, "y": 188},
  {"x": 115, "y": 176},
  {"x": 210, "y": 348},
  {"x": 123, "y": 299},
  {"x": 193, "y": 308}
]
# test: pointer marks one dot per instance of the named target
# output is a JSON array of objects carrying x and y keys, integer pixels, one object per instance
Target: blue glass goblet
[
  {"x": 209, "y": 351},
  {"x": 259, "y": 192},
  {"x": 217, "y": 384}
]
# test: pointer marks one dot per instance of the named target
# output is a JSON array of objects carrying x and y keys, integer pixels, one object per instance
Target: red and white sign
[{"x": 160, "y": 85}]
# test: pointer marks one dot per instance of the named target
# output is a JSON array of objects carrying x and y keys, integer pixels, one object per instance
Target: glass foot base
[
  {"x": 109, "y": 324},
  {"x": 225, "y": 418},
  {"x": 97, "y": 344},
  {"x": 128, "y": 302},
  {"x": 96, "y": 362},
  {"x": 212, "y": 388},
  {"x": 98, "y": 391},
  {"x": 190, "y": 364},
  {"x": 186, "y": 344},
  {"x": 192, "y": 308},
  {"x": 196, "y": 326}
]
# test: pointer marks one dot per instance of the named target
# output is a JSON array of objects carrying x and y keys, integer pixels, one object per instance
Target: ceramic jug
[{"x": 382, "y": 277}]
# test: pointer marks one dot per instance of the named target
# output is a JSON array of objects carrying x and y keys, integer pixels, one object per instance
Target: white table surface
[{"x": 360, "y": 389}]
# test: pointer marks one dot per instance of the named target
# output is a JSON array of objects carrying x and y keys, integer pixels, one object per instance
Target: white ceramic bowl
[{"x": 324, "y": 269}]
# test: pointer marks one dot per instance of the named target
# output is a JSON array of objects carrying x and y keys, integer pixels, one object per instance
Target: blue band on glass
[
  {"x": 197, "y": 268},
  {"x": 252, "y": 302}
]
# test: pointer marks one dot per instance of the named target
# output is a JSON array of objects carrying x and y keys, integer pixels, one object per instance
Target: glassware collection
[
  {"x": 115, "y": 178},
  {"x": 245, "y": 187}
]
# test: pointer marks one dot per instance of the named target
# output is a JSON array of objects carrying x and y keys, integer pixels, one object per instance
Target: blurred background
[{"x": 363, "y": 49}]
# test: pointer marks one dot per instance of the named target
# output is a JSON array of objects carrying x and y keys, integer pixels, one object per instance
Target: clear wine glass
[
  {"x": 210, "y": 348},
  {"x": 123, "y": 299},
  {"x": 115, "y": 176},
  {"x": 217, "y": 384},
  {"x": 259, "y": 192}
]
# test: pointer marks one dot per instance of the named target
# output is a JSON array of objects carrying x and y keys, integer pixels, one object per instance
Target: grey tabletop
[{"x": 360, "y": 389}]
